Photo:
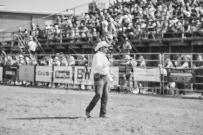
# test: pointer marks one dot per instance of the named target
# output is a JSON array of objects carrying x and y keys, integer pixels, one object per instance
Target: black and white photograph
[{"x": 101, "y": 67}]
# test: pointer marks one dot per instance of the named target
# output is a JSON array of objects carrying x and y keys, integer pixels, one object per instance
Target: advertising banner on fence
[
  {"x": 43, "y": 74},
  {"x": 1, "y": 73},
  {"x": 149, "y": 75},
  {"x": 63, "y": 74},
  {"x": 26, "y": 73},
  {"x": 114, "y": 72},
  {"x": 82, "y": 75},
  {"x": 11, "y": 72},
  {"x": 180, "y": 75}
]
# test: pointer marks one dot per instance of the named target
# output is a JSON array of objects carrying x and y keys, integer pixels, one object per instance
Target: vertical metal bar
[
  {"x": 163, "y": 77},
  {"x": 192, "y": 70}
]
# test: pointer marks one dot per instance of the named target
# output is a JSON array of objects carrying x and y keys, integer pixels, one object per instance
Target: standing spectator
[
  {"x": 171, "y": 85},
  {"x": 3, "y": 58},
  {"x": 178, "y": 61},
  {"x": 141, "y": 62},
  {"x": 84, "y": 62},
  {"x": 71, "y": 60},
  {"x": 27, "y": 61},
  {"x": 21, "y": 60},
  {"x": 64, "y": 61},
  {"x": 128, "y": 73},
  {"x": 184, "y": 64},
  {"x": 32, "y": 46},
  {"x": 56, "y": 61}
]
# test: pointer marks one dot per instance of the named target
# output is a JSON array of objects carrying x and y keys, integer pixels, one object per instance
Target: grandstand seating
[{"x": 147, "y": 24}]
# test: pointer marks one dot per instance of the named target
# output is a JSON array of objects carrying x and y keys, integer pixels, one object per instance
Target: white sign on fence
[
  {"x": 26, "y": 73},
  {"x": 63, "y": 74},
  {"x": 114, "y": 72},
  {"x": 83, "y": 75},
  {"x": 43, "y": 73},
  {"x": 142, "y": 74},
  {"x": 1, "y": 73}
]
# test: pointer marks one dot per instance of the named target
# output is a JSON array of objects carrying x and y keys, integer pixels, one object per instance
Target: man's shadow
[{"x": 45, "y": 118}]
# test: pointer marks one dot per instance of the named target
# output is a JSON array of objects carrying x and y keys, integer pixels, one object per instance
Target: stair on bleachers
[{"x": 22, "y": 44}]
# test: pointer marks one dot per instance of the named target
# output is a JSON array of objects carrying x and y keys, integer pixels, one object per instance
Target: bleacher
[{"x": 162, "y": 31}]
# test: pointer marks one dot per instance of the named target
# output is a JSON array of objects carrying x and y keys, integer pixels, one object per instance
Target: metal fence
[{"x": 184, "y": 75}]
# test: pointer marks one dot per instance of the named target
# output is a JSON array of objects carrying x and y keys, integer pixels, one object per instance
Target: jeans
[{"x": 101, "y": 91}]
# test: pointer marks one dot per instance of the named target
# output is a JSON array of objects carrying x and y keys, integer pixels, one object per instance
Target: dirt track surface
[{"x": 36, "y": 111}]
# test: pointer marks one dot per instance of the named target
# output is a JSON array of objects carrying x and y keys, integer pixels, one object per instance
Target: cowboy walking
[{"x": 100, "y": 69}]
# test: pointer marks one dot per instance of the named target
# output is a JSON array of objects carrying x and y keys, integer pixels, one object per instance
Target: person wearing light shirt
[{"x": 102, "y": 77}]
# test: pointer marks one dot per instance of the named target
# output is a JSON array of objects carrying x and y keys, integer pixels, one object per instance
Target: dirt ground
[{"x": 37, "y": 111}]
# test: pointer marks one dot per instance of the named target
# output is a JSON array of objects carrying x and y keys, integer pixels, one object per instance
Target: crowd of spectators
[
  {"x": 183, "y": 63},
  {"x": 58, "y": 59},
  {"x": 134, "y": 19},
  {"x": 118, "y": 25}
]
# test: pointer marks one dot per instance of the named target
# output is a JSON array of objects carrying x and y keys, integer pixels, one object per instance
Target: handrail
[{"x": 22, "y": 42}]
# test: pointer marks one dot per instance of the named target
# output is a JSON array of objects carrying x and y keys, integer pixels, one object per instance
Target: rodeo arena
[{"x": 155, "y": 55}]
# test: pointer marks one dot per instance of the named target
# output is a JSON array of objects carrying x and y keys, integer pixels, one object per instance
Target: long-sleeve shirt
[{"x": 100, "y": 64}]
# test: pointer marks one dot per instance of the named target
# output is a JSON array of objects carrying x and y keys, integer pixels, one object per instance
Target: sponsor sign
[
  {"x": 149, "y": 75},
  {"x": 26, "y": 73},
  {"x": 63, "y": 74},
  {"x": 180, "y": 75},
  {"x": 82, "y": 75},
  {"x": 11, "y": 72},
  {"x": 43, "y": 73},
  {"x": 114, "y": 72},
  {"x": 1, "y": 73}
]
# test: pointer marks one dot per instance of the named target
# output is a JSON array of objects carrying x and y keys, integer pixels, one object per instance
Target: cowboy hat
[{"x": 101, "y": 44}]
